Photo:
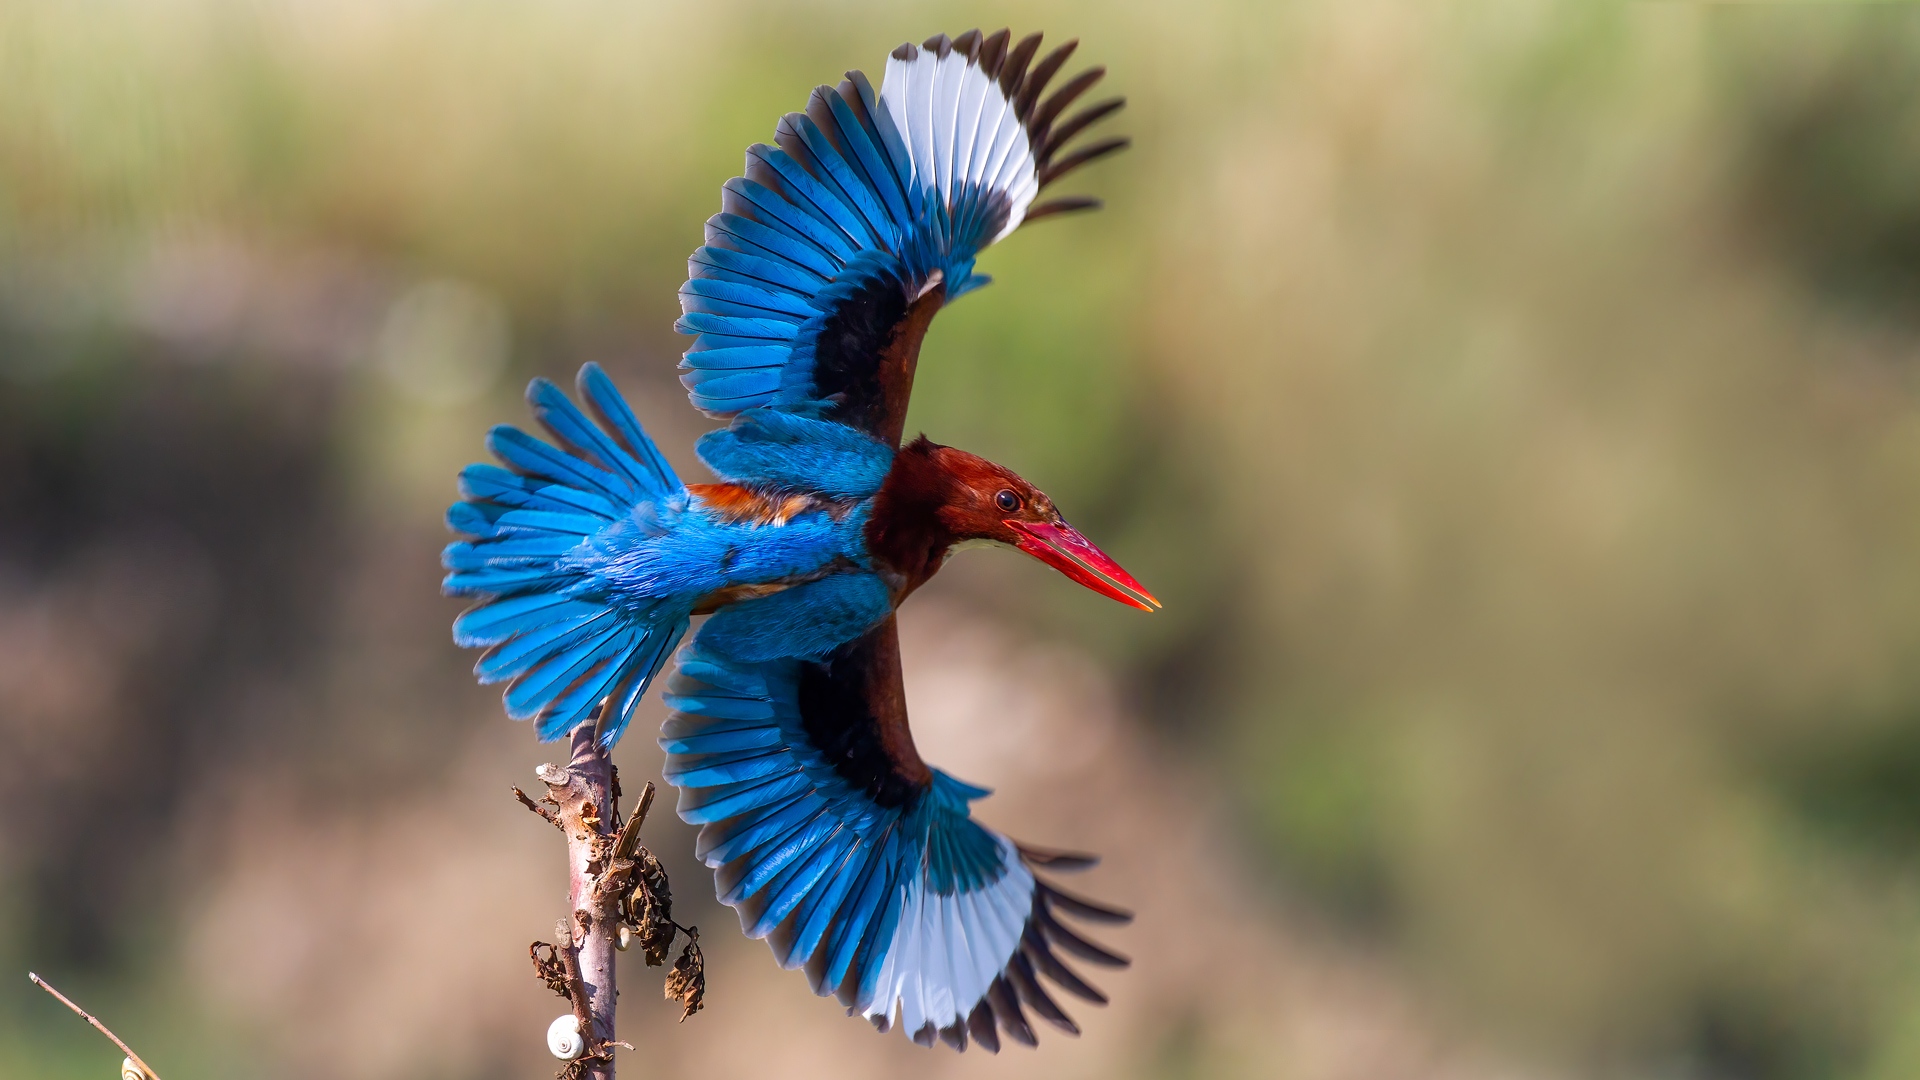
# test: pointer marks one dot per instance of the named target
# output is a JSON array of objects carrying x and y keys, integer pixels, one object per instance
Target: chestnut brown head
[{"x": 972, "y": 499}]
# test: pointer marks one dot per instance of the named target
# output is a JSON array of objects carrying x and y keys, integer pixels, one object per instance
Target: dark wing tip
[
  {"x": 1034, "y": 947},
  {"x": 1064, "y": 862},
  {"x": 1059, "y": 134},
  {"x": 993, "y": 52},
  {"x": 1026, "y": 983},
  {"x": 1013, "y": 71},
  {"x": 980, "y": 1024},
  {"x": 1082, "y": 908},
  {"x": 1056, "y": 933},
  {"x": 1043, "y": 73},
  {"x": 1070, "y": 205},
  {"x": 1005, "y": 1006},
  {"x": 1089, "y": 153},
  {"x": 1018, "y": 986},
  {"x": 1044, "y": 115},
  {"x": 1048, "y": 127}
]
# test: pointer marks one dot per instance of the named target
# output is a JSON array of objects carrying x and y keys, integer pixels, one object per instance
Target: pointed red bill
[{"x": 1063, "y": 548}]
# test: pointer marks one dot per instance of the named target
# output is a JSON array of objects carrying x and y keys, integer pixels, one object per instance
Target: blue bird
[{"x": 788, "y": 738}]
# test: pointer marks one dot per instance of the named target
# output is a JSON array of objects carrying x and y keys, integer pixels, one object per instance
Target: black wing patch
[
  {"x": 853, "y": 706},
  {"x": 867, "y": 352}
]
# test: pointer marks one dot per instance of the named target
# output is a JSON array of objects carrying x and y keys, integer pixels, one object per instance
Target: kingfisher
[{"x": 788, "y": 736}]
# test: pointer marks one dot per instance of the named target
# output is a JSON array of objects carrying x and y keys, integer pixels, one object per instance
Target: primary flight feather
[{"x": 789, "y": 739}]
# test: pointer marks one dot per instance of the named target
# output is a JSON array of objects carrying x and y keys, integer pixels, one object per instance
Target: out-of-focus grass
[{"x": 1514, "y": 404}]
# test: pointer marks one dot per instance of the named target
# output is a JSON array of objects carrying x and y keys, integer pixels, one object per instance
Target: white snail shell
[
  {"x": 623, "y": 938},
  {"x": 564, "y": 1038},
  {"x": 130, "y": 1071}
]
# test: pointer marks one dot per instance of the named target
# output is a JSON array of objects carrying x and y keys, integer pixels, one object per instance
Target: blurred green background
[{"x": 1515, "y": 404}]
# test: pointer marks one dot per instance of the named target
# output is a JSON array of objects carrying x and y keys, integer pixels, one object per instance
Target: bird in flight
[{"x": 788, "y": 740}]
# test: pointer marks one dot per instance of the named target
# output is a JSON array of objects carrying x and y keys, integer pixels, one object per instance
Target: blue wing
[
  {"x": 834, "y": 841},
  {"x": 833, "y": 252}
]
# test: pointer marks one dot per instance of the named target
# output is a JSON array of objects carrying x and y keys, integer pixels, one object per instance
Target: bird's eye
[{"x": 1007, "y": 501}]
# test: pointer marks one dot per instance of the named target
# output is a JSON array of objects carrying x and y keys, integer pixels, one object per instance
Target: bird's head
[{"x": 974, "y": 500}]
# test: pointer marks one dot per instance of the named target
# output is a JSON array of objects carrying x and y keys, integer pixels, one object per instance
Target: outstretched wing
[
  {"x": 832, "y": 253},
  {"x": 858, "y": 862}
]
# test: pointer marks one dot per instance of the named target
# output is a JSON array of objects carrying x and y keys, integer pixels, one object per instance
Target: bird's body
[{"x": 789, "y": 738}]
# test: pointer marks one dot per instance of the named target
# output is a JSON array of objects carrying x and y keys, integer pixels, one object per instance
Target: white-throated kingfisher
[{"x": 789, "y": 740}]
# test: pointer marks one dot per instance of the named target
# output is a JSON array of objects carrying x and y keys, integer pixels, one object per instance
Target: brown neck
[
  {"x": 904, "y": 534},
  {"x": 899, "y": 361}
]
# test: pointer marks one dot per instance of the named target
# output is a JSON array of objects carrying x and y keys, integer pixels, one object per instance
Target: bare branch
[
  {"x": 617, "y": 894},
  {"x": 584, "y": 805},
  {"x": 552, "y": 818}
]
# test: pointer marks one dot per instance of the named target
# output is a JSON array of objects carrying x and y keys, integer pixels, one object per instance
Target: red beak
[{"x": 1063, "y": 548}]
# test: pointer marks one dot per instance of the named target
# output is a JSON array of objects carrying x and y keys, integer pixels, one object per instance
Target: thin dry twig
[
  {"x": 552, "y": 818},
  {"x": 88, "y": 1017},
  {"x": 551, "y": 970}
]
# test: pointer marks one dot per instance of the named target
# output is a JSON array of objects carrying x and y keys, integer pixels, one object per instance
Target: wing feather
[
  {"x": 856, "y": 861},
  {"x": 869, "y": 203}
]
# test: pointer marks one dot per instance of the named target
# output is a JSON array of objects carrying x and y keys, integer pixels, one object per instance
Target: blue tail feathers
[{"x": 562, "y": 644}]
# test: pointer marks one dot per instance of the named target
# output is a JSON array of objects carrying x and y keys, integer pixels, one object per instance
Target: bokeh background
[{"x": 1516, "y": 405}]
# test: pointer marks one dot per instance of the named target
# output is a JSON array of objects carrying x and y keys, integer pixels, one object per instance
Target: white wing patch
[
  {"x": 947, "y": 950},
  {"x": 961, "y": 132}
]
